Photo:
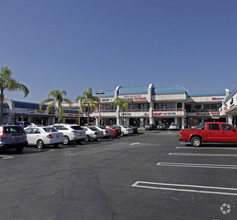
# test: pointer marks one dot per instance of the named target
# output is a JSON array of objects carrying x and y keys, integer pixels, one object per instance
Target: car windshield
[
  {"x": 102, "y": 127},
  {"x": 50, "y": 129},
  {"x": 14, "y": 129},
  {"x": 78, "y": 128},
  {"x": 61, "y": 128},
  {"x": 93, "y": 128}
]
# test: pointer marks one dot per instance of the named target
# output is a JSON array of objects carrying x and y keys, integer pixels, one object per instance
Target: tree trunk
[
  {"x": 1, "y": 106},
  {"x": 88, "y": 115}
]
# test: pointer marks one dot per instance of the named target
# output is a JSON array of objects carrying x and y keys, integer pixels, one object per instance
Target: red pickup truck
[{"x": 209, "y": 132}]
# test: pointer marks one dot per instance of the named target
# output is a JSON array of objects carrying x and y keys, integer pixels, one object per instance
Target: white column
[
  {"x": 230, "y": 119},
  {"x": 151, "y": 119},
  {"x": 117, "y": 116},
  {"x": 97, "y": 121},
  {"x": 183, "y": 123}
]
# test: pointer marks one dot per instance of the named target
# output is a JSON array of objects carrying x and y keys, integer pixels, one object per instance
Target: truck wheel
[{"x": 196, "y": 141}]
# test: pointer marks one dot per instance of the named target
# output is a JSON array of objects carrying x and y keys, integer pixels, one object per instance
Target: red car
[
  {"x": 209, "y": 132},
  {"x": 115, "y": 129}
]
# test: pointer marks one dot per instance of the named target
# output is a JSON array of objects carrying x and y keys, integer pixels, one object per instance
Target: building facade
[
  {"x": 160, "y": 105},
  {"x": 149, "y": 104}
]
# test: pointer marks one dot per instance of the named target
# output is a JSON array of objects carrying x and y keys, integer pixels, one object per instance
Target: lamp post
[
  {"x": 79, "y": 112},
  {"x": 99, "y": 93}
]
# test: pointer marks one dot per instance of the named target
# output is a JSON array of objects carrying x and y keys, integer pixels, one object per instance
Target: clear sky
[{"x": 75, "y": 44}]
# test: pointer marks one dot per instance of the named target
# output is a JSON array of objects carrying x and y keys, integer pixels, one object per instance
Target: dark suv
[{"x": 12, "y": 136}]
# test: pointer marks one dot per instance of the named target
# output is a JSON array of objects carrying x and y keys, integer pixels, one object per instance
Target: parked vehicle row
[{"x": 19, "y": 136}]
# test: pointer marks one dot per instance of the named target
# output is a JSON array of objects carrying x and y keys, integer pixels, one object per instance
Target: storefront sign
[
  {"x": 107, "y": 99},
  {"x": 168, "y": 114},
  {"x": 135, "y": 98},
  {"x": 135, "y": 114}
]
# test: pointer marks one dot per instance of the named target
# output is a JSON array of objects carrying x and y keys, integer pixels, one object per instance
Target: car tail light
[
  {"x": 49, "y": 136},
  {"x": 3, "y": 134},
  {"x": 106, "y": 131},
  {"x": 96, "y": 133}
]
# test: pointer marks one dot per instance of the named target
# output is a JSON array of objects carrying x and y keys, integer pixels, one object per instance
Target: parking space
[
  {"x": 143, "y": 176},
  {"x": 205, "y": 176}
]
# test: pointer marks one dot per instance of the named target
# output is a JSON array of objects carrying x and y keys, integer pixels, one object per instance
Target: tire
[
  {"x": 196, "y": 141},
  {"x": 40, "y": 144},
  {"x": 122, "y": 134},
  {"x": 79, "y": 141},
  {"x": 19, "y": 149},
  {"x": 66, "y": 140},
  {"x": 87, "y": 139}
]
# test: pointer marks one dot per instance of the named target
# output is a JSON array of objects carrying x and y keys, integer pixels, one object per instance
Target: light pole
[{"x": 99, "y": 93}]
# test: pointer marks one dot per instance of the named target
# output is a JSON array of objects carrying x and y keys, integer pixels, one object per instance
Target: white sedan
[
  {"x": 173, "y": 127},
  {"x": 41, "y": 136},
  {"x": 125, "y": 130},
  {"x": 106, "y": 131}
]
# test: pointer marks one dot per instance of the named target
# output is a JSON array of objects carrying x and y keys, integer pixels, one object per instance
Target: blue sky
[{"x": 74, "y": 44}]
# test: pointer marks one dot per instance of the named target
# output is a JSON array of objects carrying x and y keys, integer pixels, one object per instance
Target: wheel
[
  {"x": 66, "y": 140},
  {"x": 39, "y": 144},
  {"x": 87, "y": 139},
  {"x": 196, "y": 141},
  {"x": 122, "y": 134},
  {"x": 19, "y": 149}
]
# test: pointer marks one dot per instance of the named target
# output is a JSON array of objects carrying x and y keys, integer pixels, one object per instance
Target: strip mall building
[
  {"x": 161, "y": 105},
  {"x": 150, "y": 105}
]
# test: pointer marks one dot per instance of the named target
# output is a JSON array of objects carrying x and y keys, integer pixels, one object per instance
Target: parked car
[
  {"x": 212, "y": 132},
  {"x": 41, "y": 136},
  {"x": 71, "y": 132},
  {"x": 150, "y": 127},
  {"x": 173, "y": 127},
  {"x": 106, "y": 131},
  {"x": 12, "y": 136},
  {"x": 161, "y": 127},
  {"x": 24, "y": 124},
  {"x": 135, "y": 130},
  {"x": 92, "y": 133},
  {"x": 114, "y": 130},
  {"x": 125, "y": 130}
]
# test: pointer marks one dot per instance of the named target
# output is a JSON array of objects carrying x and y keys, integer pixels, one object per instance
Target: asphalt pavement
[{"x": 143, "y": 176}]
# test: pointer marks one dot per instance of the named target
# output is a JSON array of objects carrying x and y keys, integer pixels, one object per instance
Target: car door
[
  {"x": 215, "y": 133},
  {"x": 29, "y": 135},
  {"x": 35, "y": 135},
  {"x": 229, "y": 133}
]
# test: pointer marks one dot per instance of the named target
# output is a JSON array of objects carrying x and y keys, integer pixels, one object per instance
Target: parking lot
[{"x": 144, "y": 176}]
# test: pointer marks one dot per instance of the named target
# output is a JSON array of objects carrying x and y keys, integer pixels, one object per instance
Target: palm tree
[
  {"x": 10, "y": 84},
  {"x": 123, "y": 104},
  {"x": 55, "y": 98},
  {"x": 88, "y": 100}
]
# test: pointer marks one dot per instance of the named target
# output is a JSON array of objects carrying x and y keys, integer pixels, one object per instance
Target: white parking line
[
  {"x": 6, "y": 157},
  {"x": 186, "y": 188},
  {"x": 208, "y": 148},
  {"x": 193, "y": 165},
  {"x": 134, "y": 143},
  {"x": 203, "y": 155}
]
